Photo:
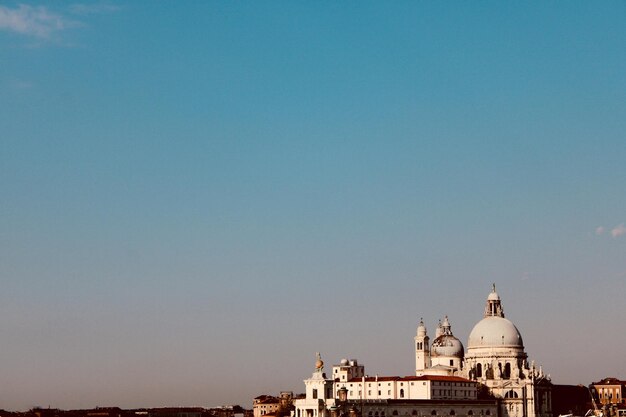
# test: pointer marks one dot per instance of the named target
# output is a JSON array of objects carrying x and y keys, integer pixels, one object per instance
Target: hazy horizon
[{"x": 197, "y": 197}]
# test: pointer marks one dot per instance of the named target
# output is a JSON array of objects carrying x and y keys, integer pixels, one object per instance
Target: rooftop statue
[{"x": 319, "y": 363}]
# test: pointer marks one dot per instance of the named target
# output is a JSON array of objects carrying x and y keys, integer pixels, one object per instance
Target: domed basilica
[
  {"x": 495, "y": 358},
  {"x": 492, "y": 378}
]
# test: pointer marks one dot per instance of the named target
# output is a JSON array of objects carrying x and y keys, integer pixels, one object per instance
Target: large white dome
[{"x": 495, "y": 331}]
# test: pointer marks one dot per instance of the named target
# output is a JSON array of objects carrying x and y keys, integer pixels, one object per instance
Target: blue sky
[{"x": 198, "y": 197}]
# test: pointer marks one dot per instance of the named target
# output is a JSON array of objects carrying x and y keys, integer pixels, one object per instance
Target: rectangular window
[{"x": 314, "y": 394}]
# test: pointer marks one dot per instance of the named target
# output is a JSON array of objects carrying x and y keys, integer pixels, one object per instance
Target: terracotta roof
[
  {"x": 266, "y": 399},
  {"x": 610, "y": 381},
  {"x": 411, "y": 378}
]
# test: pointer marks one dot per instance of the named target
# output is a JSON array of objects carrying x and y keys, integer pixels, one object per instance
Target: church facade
[{"x": 493, "y": 377}]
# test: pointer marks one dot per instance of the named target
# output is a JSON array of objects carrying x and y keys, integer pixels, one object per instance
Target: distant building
[
  {"x": 229, "y": 411},
  {"x": 225, "y": 411},
  {"x": 610, "y": 391},
  {"x": 265, "y": 404},
  {"x": 270, "y": 406}
]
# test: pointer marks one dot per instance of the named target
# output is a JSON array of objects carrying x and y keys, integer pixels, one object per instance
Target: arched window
[
  {"x": 395, "y": 413},
  {"x": 452, "y": 412},
  {"x": 511, "y": 394},
  {"x": 470, "y": 413},
  {"x": 414, "y": 412},
  {"x": 507, "y": 371},
  {"x": 479, "y": 370},
  {"x": 401, "y": 393},
  {"x": 433, "y": 413}
]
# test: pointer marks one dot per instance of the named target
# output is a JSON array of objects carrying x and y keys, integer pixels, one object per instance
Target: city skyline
[{"x": 198, "y": 197}]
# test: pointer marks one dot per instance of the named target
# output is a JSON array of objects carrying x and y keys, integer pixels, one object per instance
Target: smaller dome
[
  {"x": 344, "y": 362},
  {"x": 447, "y": 345}
]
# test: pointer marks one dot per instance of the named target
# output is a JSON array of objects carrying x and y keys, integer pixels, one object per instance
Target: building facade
[{"x": 426, "y": 395}]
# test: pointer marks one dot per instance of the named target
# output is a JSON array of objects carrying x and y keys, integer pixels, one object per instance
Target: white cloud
[
  {"x": 599, "y": 230},
  {"x": 27, "y": 20},
  {"x": 618, "y": 230}
]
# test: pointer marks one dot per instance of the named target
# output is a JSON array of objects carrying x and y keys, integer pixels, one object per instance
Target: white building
[
  {"x": 448, "y": 380},
  {"x": 426, "y": 387},
  {"x": 411, "y": 395}
]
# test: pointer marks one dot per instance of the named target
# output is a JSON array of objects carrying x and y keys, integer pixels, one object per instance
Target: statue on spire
[{"x": 319, "y": 363}]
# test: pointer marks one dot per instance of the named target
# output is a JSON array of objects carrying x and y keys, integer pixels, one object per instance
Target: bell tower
[{"x": 422, "y": 350}]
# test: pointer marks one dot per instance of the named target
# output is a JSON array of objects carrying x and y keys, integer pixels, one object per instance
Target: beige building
[
  {"x": 265, "y": 404},
  {"x": 610, "y": 391}
]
